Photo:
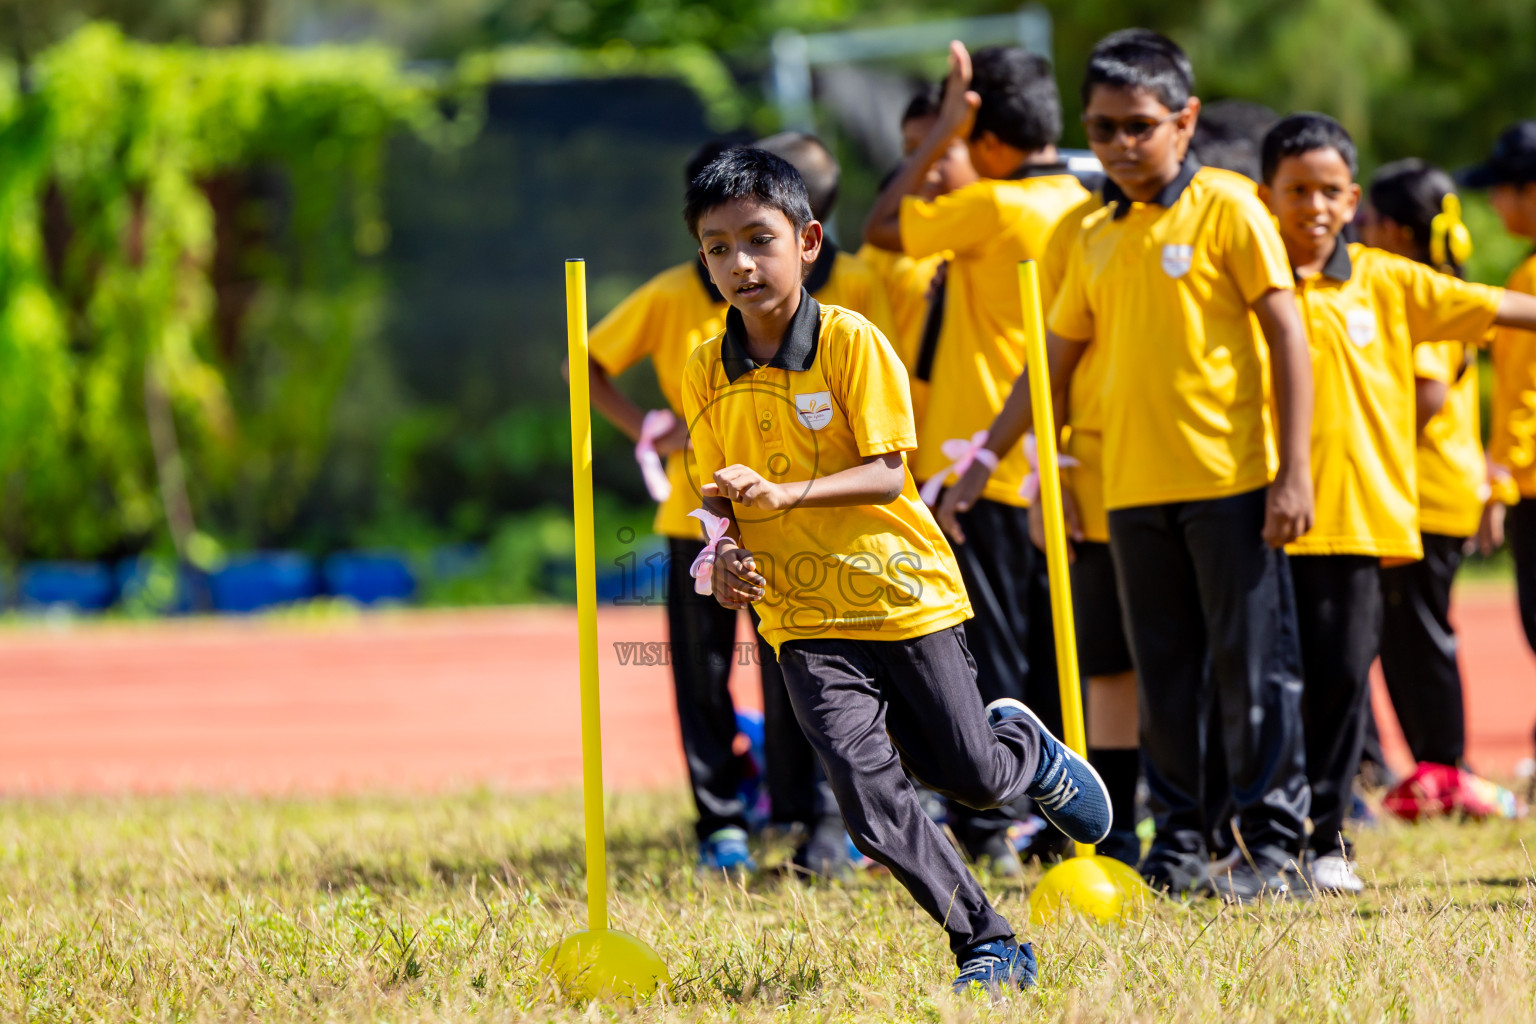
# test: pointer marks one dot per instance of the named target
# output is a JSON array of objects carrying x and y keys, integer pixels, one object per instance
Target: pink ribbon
[
  {"x": 961, "y": 454},
  {"x": 1029, "y": 490},
  {"x": 704, "y": 565},
  {"x": 653, "y": 427}
]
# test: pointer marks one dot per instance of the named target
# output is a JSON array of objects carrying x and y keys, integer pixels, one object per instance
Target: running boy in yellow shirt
[
  {"x": 1183, "y": 282},
  {"x": 1003, "y": 103},
  {"x": 1509, "y": 174},
  {"x": 799, "y": 415},
  {"x": 1364, "y": 310},
  {"x": 664, "y": 320}
]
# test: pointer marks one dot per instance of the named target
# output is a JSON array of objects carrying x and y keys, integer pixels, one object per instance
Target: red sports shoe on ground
[{"x": 1435, "y": 790}]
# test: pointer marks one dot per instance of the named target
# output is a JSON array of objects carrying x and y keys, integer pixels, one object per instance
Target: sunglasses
[{"x": 1108, "y": 129}]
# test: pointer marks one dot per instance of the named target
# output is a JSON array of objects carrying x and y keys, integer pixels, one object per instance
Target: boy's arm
[
  {"x": 878, "y": 480},
  {"x": 1288, "y": 511},
  {"x": 1013, "y": 421},
  {"x": 957, "y": 113},
  {"x": 1517, "y": 310}
]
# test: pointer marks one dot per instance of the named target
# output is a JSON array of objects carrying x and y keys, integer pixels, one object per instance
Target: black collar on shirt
[
  {"x": 1339, "y": 268},
  {"x": 821, "y": 270},
  {"x": 797, "y": 350},
  {"x": 1167, "y": 197},
  {"x": 1090, "y": 180},
  {"x": 709, "y": 286}
]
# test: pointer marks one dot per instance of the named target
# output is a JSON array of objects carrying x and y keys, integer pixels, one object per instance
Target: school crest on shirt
[
  {"x": 1361, "y": 324},
  {"x": 814, "y": 409},
  {"x": 1177, "y": 259}
]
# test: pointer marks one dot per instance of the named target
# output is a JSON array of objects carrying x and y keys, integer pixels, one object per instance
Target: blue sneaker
[
  {"x": 726, "y": 851},
  {"x": 996, "y": 967},
  {"x": 1066, "y": 788}
]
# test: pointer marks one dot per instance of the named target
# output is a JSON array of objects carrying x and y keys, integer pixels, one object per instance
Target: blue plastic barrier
[
  {"x": 81, "y": 586},
  {"x": 248, "y": 583},
  {"x": 369, "y": 577}
]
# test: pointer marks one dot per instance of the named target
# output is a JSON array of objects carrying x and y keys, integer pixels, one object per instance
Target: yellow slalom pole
[
  {"x": 1055, "y": 534},
  {"x": 586, "y": 594},
  {"x": 1098, "y": 886},
  {"x": 599, "y": 962}
]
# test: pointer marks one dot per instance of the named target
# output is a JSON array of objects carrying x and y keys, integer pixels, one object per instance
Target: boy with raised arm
[{"x": 800, "y": 417}]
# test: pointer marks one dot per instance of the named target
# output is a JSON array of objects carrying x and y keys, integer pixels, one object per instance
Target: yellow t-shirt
[
  {"x": 1363, "y": 314},
  {"x": 666, "y": 319},
  {"x": 1512, "y": 435},
  {"x": 989, "y": 226},
  {"x": 907, "y": 283},
  {"x": 1453, "y": 479},
  {"x": 1165, "y": 288},
  {"x": 833, "y": 395},
  {"x": 855, "y": 285}
]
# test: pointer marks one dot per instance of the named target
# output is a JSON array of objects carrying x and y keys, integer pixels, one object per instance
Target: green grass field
[{"x": 412, "y": 909}]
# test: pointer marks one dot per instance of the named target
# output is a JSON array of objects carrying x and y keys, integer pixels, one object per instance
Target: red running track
[{"x": 435, "y": 700}]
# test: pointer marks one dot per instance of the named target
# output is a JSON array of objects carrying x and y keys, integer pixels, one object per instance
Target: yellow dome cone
[
  {"x": 597, "y": 963},
  {"x": 1100, "y": 887}
]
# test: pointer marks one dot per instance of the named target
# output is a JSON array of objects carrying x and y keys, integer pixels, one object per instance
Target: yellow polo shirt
[
  {"x": 832, "y": 396},
  {"x": 1363, "y": 314},
  {"x": 989, "y": 226},
  {"x": 1453, "y": 478},
  {"x": 907, "y": 284},
  {"x": 854, "y": 284},
  {"x": 666, "y": 319},
  {"x": 1512, "y": 435},
  {"x": 1165, "y": 287}
]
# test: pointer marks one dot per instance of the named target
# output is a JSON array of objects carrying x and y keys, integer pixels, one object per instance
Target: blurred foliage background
[{"x": 286, "y": 273}]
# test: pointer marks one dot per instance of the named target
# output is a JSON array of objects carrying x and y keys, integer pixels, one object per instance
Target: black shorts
[{"x": 1102, "y": 649}]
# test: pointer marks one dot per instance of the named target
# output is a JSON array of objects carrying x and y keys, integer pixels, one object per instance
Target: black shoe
[
  {"x": 996, "y": 856},
  {"x": 1175, "y": 874},
  {"x": 1268, "y": 875},
  {"x": 1048, "y": 846},
  {"x": 825, "y": 853},
  {"x": 1123, "y": 844}
]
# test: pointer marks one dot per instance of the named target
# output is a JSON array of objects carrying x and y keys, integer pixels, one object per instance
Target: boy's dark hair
[
  {"x": 1229, "y": 134},
  {"x": 1412, "y": 192},
  {"x": 1300, "y": 134},
  {"x": 924, "y": 104},
  {"x": 702, "y": 158},
  {"x": 817, "y": 166},
  {"x": 1019, "y": 101},
  {"x": 747, "y": 173},
  {"x": 1138, "y": 58}
]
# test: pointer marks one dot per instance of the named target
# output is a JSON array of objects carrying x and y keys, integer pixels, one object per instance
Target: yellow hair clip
[{"x": 1450, "y": 243}]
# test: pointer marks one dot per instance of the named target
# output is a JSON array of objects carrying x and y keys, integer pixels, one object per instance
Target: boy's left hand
[
  {"x": 957, "y": 111},
  {"x": 1288, "y": 508},
  {"x": 746, "y": 486}
]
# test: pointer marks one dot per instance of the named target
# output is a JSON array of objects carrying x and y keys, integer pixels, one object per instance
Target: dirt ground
[{"x": 426, "y": 701}]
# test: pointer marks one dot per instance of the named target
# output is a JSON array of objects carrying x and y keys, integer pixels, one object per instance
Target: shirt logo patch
[
  {"x": 1177, "y": 259},
  {"x": 814, "y": 409},
  {"x": 1361, "y": 324}
]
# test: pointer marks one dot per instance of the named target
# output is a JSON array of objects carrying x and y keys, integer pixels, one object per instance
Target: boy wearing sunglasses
[{"x": 1181, "y": 282}]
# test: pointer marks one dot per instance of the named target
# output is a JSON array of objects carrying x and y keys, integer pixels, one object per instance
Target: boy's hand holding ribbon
[{"x": 724, "y": 567}]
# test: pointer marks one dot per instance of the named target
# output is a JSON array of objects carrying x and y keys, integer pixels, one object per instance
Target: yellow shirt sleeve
[
  {"x": 965, "y": 219},
  {"x": 872, "y": 387},
  {"x": 1440, "y": 306},
  {"x": 1071, "y": 315},
  {"x": 1252, "y": 250},
  {"x": 626, "y": 335},
  {"x": 1441, "y": 362},
  {"x": 707, "y": 455}
]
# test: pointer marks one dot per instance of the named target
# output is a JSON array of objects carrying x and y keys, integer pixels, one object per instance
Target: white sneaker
[{"x": 1332, "y": 872}]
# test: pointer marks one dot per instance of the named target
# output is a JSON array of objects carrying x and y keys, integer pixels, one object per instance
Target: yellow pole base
[
  {"x": 1099, "y": 887},
  {"x": 609, "y": 965}
]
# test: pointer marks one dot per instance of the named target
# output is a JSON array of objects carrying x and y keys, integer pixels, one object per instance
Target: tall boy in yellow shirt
[
  {"x": 1364, "y": 310},
  {"x": 1509, "y": 174},
  {"x": 1004, "y": 104},
  {"x": 1182, "y": 282},
  {"x": 800, "y": 417}
]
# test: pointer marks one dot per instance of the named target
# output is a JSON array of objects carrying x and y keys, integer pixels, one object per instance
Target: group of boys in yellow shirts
[{"x": 1274, "y": 461}]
